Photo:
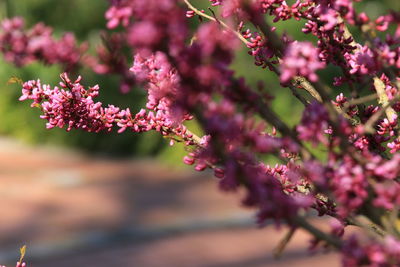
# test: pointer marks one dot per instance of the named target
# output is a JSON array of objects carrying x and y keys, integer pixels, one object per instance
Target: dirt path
[{"x": 80, "y": 211}]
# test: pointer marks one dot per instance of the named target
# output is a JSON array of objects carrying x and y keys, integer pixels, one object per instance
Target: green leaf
[
  {"x": 15, "y": 79},
  {"x": 22, "y": 251}
]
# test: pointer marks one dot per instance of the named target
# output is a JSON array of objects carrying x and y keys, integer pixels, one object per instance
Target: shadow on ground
[{"x": 74, "y": 210}]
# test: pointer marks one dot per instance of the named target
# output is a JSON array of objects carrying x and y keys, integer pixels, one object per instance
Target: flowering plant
[{"x": 353, "y": 179}]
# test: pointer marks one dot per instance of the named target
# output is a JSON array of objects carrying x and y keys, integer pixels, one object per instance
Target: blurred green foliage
[{"x": 85, "y": 18}]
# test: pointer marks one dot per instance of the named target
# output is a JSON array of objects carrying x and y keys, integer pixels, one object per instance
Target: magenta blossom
[{"x": 301, "y": 59}]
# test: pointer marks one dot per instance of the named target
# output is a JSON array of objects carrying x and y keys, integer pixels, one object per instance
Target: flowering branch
[{"x": 341, "y": 159}]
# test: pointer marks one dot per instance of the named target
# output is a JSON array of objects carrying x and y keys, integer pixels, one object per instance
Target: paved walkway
[{"x": 76, "y": 210}]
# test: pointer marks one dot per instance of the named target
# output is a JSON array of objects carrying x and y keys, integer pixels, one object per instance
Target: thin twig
[
  {"x": 306, "y": 85},
  {"x": 283, "y": 243},
  {"x": 360, "y": 100},
  {"x": 383, "y": 99},
  {"x": 371, "y": 227},
  {"x": 368, "y": 126},
  {"x": 198, "y": 12},
  {"x": 303, "y": 223},
  {"x": 292, "y": 86},
  {"x": 269, "y": 115}
]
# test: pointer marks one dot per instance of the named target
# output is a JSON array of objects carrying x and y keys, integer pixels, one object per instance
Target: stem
[
  {"x": 198, "y": 12},
  {"x": 303, "y": 223},
  {"x": 272, "y": 37},
  {"x": 292, "y": 86},
  {"x": 306, "y": 85},
  {"x": 270, "y": 116},
  {"x": 368, "y": 126},
  {"x": 383, "y": 99},
  {"x": 283, "y": 243},
  {"x": 367, "y": 225},
  {"x": 360, "y": 100},
  {"x": 195, "y": 138}
]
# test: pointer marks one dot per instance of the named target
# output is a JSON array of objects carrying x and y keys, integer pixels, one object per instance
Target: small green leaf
[
  {"x": 22, "y": 251},
  {"x": 15, "y": 79}
]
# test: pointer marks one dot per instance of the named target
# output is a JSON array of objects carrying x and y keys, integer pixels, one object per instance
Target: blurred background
[{"x": 80, "y": 199}]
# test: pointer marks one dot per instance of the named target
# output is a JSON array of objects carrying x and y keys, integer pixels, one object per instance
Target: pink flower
[{"x": 300, "y": 59}]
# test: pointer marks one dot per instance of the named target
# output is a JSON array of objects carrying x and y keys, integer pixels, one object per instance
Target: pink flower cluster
[
  {"x": 22, "y": 47},
  {"x": 356, "y": 253},
  {"x": 74, "y": 107},
  {"x": 301, "y": 59},
  {"x": 71, "y": 105}
]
